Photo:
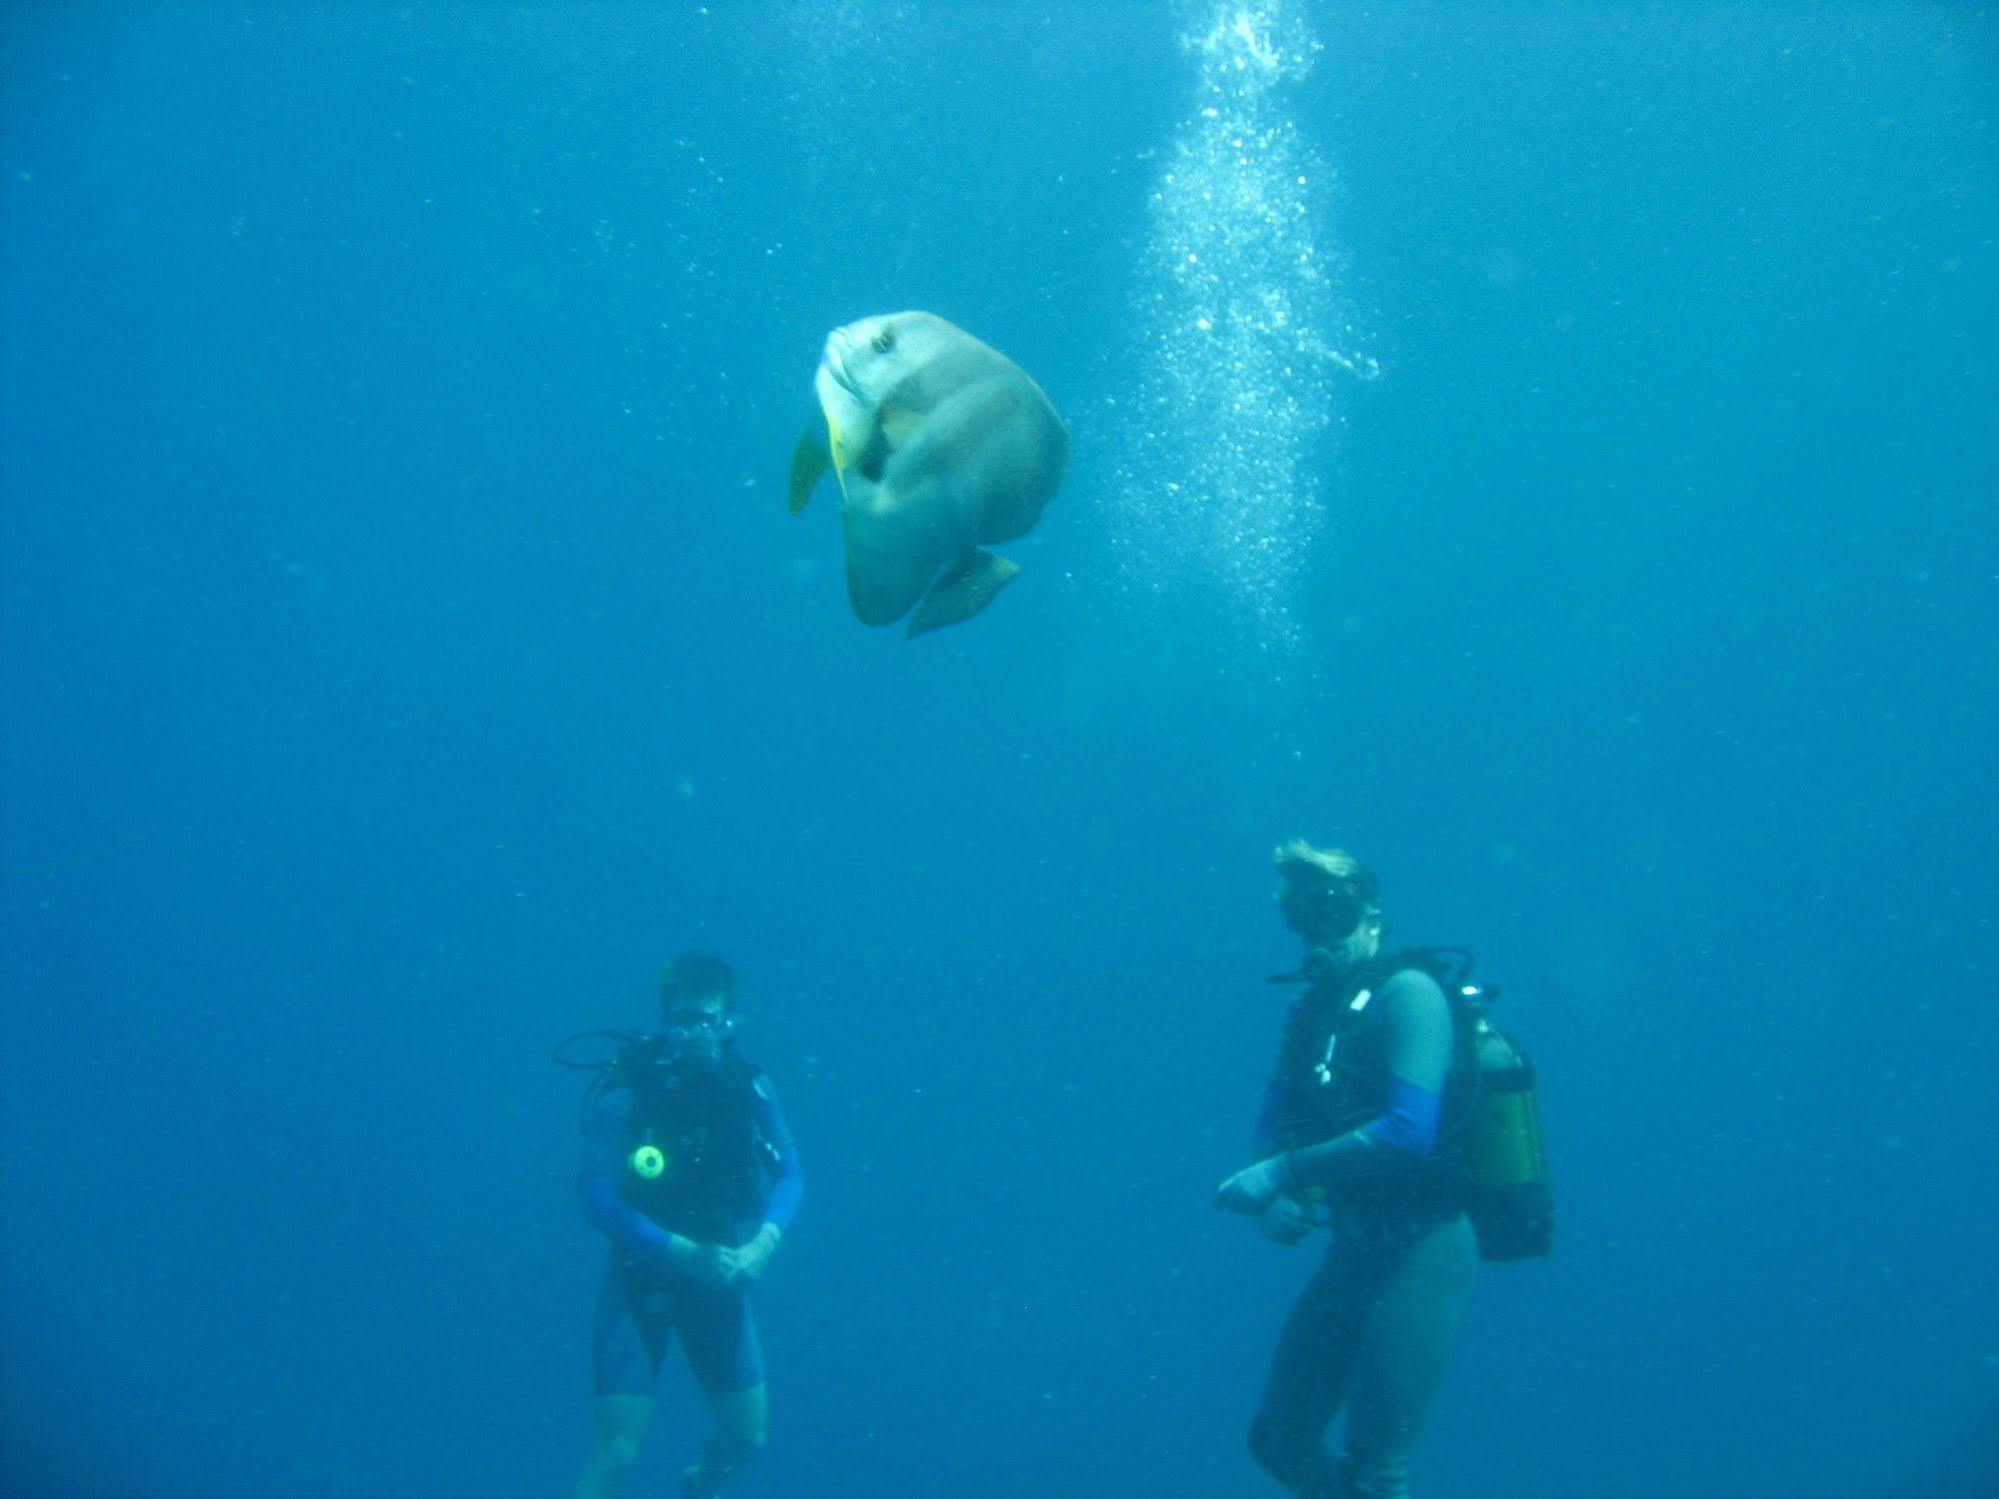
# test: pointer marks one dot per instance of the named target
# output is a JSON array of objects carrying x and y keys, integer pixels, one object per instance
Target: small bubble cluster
[{"x": 1236, "y": 300}]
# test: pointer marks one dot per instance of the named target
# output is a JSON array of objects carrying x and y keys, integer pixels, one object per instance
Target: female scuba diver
[
  {"x": 689, "y": 1171},
  {"x": 1348, "y": 1138}
]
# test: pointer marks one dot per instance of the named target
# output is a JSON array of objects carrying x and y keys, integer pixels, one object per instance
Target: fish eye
[{"x": 884, "y": 340}]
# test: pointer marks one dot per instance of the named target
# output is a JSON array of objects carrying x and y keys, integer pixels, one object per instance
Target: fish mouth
[{"x": 834, "y": 362}]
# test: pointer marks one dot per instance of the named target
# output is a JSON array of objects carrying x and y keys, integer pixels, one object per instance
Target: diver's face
[
  {"x": 696, "y": 1029},
  {"x": 1332, "y": 919}
]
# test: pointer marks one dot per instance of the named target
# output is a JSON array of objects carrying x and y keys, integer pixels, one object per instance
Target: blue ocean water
[{"x": 1563, "y": 473}]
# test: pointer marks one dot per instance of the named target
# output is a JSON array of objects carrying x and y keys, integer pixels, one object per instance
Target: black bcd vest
[
  {"x": 1335, "y": 1077},
  {"x": 712, "y": 1159}
]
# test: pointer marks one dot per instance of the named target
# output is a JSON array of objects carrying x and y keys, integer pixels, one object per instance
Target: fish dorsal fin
[{"x": 809, "y": 462}]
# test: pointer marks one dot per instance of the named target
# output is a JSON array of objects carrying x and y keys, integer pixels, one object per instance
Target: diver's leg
[
  {"x": 719, "y": 1332},
  {"x": 1312, "y": 1371},
  {"x": 628, "y": 1339},
  {"x": 1404, "y": 1352},
  {"x": 739, "y": 1421},
  {"x": 621, "y": 1428}
]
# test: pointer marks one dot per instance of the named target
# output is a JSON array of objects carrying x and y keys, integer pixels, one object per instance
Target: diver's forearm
[
  {"x": 617, "y": 1220},
  {"x": 1332, "y": 1161},
  {"x": 1404, "y": 1134}
]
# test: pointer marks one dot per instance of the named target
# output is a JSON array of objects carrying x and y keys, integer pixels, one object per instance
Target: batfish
[{"x": 942, "y": 446}]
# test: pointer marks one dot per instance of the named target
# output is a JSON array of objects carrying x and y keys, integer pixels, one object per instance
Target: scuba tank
[
  {"x": 1496, "y": 1138},
  {"x": 1510, "y": 1203}
]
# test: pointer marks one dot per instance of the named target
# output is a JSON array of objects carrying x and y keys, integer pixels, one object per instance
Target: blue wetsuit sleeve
[
  {"x": 1411, "y": 1121},
  {"x": 787, "y": 1187},
  {"x": 607, "y": 1132},
  {"x": 1419, "y": 1057}
]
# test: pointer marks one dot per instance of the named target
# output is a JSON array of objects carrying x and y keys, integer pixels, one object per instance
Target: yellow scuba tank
[{"x": 1511, "y": 1205}]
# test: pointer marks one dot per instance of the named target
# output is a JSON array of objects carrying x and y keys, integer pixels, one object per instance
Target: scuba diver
[
  {"x": 1401, "y": 1121},
  {"x": 690, "y": 1172}
]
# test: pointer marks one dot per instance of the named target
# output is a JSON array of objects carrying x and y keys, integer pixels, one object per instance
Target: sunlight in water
[{"x": 1241, "y": 338}]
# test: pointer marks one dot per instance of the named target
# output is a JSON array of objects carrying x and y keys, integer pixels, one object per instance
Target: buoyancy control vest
[
  {"x": 1487, "y": 1161},
  {"x": 698, "y": 1163}
]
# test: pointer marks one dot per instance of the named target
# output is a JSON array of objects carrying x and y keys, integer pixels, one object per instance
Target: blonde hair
[{"x": 1298, "y": 861}]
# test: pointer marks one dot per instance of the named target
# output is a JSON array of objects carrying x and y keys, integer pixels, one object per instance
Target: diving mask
[{"x": 1321, "y": 912}]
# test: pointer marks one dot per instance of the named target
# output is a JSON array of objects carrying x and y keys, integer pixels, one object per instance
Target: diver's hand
[
  {"x": 700, "y": 1263},
  {"x": 1254, "y": 1188},
  {"x": 745, "y": 1265},
  {"x": 1287, "y": 1220}
]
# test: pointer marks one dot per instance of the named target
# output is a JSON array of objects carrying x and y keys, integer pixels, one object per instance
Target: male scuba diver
[
  {"x": 1359, "y": 1134},
  {"x": 690, "y": 1172}
]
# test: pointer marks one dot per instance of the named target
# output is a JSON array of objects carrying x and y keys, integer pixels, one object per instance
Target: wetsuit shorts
[{"x": 637, "y": 1314}]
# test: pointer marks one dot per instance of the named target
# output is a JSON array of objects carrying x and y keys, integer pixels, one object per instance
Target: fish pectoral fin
[
  {"x": 809, "y": 462},
  {"x": 897, "y": 424},
  {"x": 872, "y": 459},
  {"x": 970, "y": 584}
]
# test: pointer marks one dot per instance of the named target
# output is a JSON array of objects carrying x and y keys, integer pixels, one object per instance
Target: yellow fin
[
  {"x": 809, "y": 462},
  {"x": 836, "y": 447}
]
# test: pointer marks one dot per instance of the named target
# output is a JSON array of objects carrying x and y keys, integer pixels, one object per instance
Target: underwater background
[{"x": 1547, "y": 448}]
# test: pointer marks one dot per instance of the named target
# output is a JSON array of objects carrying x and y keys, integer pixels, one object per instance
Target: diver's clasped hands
[
  {"x": 745, "y": 1265},
  {"x": 720, "y": 1266},
  {"x": 1255, "y": 1188},
  {"x": 1269, "y": 1189},
  {"x": 695, "y": 1261}
]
